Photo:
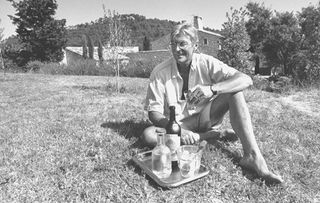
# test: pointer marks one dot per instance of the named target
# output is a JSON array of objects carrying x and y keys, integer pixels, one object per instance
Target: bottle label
[{"x": 173, "y": 143}]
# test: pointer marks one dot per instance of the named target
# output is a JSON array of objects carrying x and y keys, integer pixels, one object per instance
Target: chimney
[{"x": 197, "y": 22}]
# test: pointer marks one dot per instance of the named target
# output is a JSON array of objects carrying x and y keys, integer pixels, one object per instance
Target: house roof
[
  {"x": 211, "y": 33},
  {"x": 108, "y": 54}
]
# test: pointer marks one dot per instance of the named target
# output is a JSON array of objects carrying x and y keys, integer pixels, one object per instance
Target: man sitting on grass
[{"x": 215, "y": 89}]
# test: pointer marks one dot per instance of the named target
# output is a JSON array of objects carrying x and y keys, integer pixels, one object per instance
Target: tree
[
  {"x": 90, "y": 46},
  {"x": 1, "y": 57},
  {"x": 146, "y": 43},
  {"x": 283, "y": 41},
  {"x": 258, "y": 27},
  {"x": 236, "y": 41},
  {"x": 42, "y": 36},
  {"x": 100, "y": 50},
  {"x": 309, "y": 20},
  {"x": 307, "y": 66},
  {"x": 84, "y": 47},
  {"x": 1, "y": 32},
  {"x": 119, "y": 38}
]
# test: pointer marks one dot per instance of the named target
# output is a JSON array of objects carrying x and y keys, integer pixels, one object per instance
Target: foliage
[
  {"x": 41, "y": 35},
  {"x": 83, "y": 67},
  {"x": 282, "y": 43},
  {"x": 146, "y": 44},
  {"x": 90, "y": 46},
  {"x": 309, "y": 20},
  {"x": 141, "y": 64},
  {"x": 34, "y": 66},
  {"x": 1, "y": 32},
  {"x": 100, "y": 50},
  {"x": 14, "y": 56},
  {"x": 138, "y": 25},
  {"x": 1, "y": 57},
  {"x": 258, "y": 25},
  {"x": 236, "y": 41},
  {"x": 287, "y": 41},
  {"x": 119, "y": 37},
  {"x": 84, "y": 47},
  {"x": 307, "y": 65}
]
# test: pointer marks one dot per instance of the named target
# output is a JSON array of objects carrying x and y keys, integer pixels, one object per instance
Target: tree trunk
[{"x": 257, "y": 65}]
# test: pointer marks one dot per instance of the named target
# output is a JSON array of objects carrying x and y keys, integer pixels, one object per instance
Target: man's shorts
[{"x": 201, "y": 122}]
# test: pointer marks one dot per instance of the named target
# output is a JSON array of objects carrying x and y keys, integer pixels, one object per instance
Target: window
[
  {"x": 219, "y": 45},
  {"x": 205, "y": 41}
]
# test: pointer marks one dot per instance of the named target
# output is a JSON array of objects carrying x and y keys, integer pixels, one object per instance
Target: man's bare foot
[
  {"x": 228, "y": 135},
  {"x": 258, "y": 164}
]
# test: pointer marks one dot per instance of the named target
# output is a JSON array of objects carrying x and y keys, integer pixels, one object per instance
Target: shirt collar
[{"x": 174, "y": 70}]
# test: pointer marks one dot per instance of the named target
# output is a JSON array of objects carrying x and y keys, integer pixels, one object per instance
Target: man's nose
[{"x": 177, "y": 48}]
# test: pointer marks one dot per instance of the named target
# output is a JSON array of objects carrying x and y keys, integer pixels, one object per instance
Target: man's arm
[{"x": 235, "y": 83}]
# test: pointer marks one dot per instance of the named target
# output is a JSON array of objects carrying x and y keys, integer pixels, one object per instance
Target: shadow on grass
[
  {"x": 235, "y": 157},
  {"x": 132, "y": 130},
  {"x": 129, "y": 129}
]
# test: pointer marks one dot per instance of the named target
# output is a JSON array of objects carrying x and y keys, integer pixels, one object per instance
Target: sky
[{"x": 213, "y": 12}]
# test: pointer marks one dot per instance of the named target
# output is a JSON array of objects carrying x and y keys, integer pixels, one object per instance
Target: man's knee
[{"x": 149, "y": 136}]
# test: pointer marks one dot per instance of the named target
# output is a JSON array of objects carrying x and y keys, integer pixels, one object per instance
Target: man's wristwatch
[{"x": 214, "y": 92}]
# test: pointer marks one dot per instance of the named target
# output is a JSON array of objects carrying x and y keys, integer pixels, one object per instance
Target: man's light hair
[{"x": 185, "y": 29}]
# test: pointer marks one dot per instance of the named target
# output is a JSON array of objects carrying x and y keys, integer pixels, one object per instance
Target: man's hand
[
  {"x": 189, "y": 137},
  {"x": 199, "y": 93}
]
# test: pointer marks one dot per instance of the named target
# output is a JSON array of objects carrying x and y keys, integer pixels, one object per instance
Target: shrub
[
  {"x": 82, "y": 67},
  {"x": 141, "y": 69},
  {"x": 52, "y": 68},
  {"x": 34, "y": 66},
  {"x": 141, "y": 64}
]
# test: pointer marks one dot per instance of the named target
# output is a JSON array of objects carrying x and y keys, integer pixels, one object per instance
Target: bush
[
  {"x": 141, "y": 64},
  {"x": 277, "y": 84},
  {"x": 34, "y": 66},
  {"x": 83, "y": 67},
  {"x": 141, "y": 69}
]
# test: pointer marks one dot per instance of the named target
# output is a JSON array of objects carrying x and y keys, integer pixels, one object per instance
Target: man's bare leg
[{"x": 241, "y": 123}]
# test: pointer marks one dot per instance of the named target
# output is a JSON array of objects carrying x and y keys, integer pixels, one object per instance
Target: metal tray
[{"x": 143, "y": 160}]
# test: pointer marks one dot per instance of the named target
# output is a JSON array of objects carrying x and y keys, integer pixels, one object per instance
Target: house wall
[
  {"x": 211, "y": 48},
  {"x": 72, "y": 57}
]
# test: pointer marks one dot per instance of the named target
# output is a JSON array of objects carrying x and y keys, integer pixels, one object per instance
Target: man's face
[{"x": 182, "y": 49}]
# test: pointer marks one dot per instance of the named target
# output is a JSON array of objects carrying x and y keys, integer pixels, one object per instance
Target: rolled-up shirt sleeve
[
  {"x": 155, "y": 95},
  {"x": 220, "y": 71}
]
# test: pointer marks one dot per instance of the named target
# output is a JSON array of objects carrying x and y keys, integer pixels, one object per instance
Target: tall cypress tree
[
  {"x": 90, "y": 46},
  {"x": 84, "y": 47}
]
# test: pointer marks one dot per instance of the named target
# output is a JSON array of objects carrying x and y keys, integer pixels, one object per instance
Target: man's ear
[{"x": 196, "y": 47}]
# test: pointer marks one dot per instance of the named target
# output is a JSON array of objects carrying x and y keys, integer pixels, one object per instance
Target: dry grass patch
[{"x": 71, "y": 139}]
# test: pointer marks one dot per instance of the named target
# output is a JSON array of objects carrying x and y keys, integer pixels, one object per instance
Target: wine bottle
[{"x": 173, "y": 134}]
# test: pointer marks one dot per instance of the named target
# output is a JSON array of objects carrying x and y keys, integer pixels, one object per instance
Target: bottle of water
[{"x": 161, "y": 158}]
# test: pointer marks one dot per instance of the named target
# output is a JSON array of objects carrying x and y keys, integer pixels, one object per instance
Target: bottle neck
[
  {"x": 160, "y": 139},
  {"x": 172, "y": 114}
]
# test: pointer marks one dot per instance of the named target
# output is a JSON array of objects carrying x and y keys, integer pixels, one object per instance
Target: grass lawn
[{"x": 71, "y": 139}]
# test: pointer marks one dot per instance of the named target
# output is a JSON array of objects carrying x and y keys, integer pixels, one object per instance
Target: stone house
[
  {"x": 209, "y": 42},
  {"x": 73, "y": 54}
]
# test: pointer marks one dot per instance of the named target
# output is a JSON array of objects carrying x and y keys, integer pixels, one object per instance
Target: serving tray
[{"x": 143, "y": 160}]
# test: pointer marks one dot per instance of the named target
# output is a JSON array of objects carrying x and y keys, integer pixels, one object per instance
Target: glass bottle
[
  {"x": 161, "y": 158},
  {"x": 173, "y": 134}
]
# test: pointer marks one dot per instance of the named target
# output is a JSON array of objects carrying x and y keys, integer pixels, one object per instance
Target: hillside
[{"x": 139, "y": 25}]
